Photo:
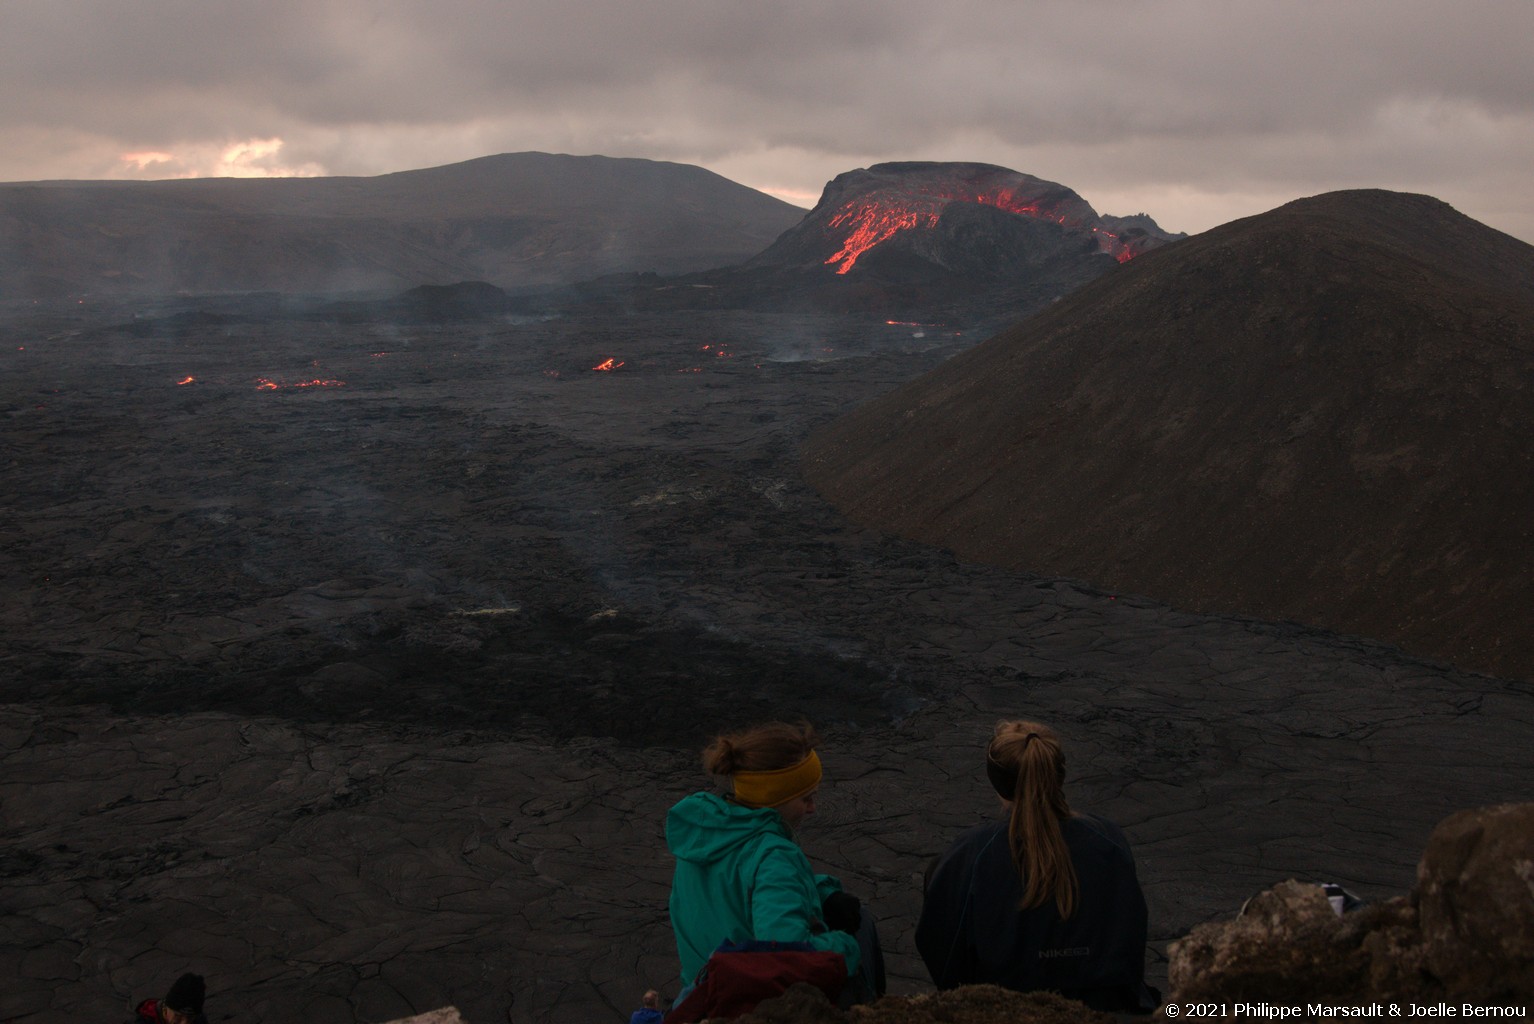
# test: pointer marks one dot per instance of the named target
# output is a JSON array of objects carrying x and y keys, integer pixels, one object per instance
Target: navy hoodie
[{"x": 971, "y": 930}]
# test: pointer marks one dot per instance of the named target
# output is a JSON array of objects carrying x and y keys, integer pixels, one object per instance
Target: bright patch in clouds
[
  {"x": 796, "y": 196},
  {"x": 250, "y": 158},
  {"x": 145, "y": 160}
]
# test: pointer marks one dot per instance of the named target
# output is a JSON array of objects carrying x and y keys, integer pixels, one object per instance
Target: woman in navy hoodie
[{"x": 1045, "y": 900}]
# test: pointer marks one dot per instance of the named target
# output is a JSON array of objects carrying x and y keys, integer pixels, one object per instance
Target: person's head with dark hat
[{"x": 183, "y": 1003}]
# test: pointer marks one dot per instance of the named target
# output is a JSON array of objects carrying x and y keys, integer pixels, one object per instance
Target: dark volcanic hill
[
  {"x": 511, "y": 220},
  {"x": 931, "y": 240},
  {"x": 1322, "y": 413}
]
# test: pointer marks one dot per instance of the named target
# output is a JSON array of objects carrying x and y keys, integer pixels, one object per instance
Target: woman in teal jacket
[{"x": 739, "y": 873}]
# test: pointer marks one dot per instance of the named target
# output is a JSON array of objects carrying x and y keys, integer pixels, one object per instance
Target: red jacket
[{"x": 149, "y": 1013}]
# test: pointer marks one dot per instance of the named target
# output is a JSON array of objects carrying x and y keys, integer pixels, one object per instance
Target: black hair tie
[{"x": 1004, "y": 777}]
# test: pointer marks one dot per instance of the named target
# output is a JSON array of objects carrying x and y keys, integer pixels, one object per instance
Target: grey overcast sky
[{"x": 1194, "y": 111}]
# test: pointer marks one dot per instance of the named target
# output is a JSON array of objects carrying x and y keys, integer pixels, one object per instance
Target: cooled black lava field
[{"x": 355, "y": 664}]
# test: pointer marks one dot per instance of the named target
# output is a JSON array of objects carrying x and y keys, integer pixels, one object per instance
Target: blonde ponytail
[{"x": 1027, "y": 766}]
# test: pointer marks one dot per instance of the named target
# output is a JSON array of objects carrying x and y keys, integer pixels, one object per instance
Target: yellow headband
[{"x": 770, "y": 789}]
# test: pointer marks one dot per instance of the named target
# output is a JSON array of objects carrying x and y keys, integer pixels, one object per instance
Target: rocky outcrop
[
  {"x": 1475, "y": 901},
  {"x": 1465, "y": 932},
  {"x": 972, "y": 1004},
  {"x": 1288, "y": 943},
  {"x": 446, "y": 1015}
]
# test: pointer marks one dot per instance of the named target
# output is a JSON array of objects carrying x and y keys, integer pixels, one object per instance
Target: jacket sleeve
[
  {"x": 1124, "y": 943},
  {"x": 785, "y": 906},
  {"x": 945, "y": 943},
  {"x": 825, "y": 885}
]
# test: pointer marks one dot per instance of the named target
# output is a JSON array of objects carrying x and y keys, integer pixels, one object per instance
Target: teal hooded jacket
[{"x": 740, "y": 875}]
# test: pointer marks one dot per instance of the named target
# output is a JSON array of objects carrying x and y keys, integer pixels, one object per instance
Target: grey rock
[
  {"x": 1465, "y": 932},
  {"x": 1287, "y": 945},
  {"x": 799, "y": 1004},
  {"x": 1475, "y": 895},
  {"x": 978, "y": 1004},
  {"x": 446, "y": 1015}
]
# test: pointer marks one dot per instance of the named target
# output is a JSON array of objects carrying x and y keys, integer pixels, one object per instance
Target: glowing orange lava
[
  {"x": 267, "y": 384},
  {"x": 607, "y": 365},
  {"x": 185, "y": 380},
  {"x": 871, "y": 224},
  {"x": 876, "y": 218}
]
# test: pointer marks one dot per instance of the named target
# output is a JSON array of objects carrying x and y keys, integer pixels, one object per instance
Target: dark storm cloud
[{"x": 1209, "y": 109}]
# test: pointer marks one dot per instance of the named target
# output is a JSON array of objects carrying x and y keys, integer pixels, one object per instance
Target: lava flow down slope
[{"x": 1321, "y": 413}]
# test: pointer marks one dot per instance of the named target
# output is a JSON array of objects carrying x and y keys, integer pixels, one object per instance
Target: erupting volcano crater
[
  {"x": 962, "y": 217},
  {"x": 913, "y": 241}
]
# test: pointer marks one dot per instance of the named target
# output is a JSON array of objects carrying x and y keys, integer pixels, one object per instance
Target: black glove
[{"x": 842, "y": 912}]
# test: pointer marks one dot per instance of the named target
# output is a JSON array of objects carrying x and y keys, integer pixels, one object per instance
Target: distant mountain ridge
[
  {"x": 1321, "y": 413},
  {"x": 514, "y": 220}
]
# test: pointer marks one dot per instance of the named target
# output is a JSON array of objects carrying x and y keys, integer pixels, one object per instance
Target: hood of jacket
[{"x": 705, "y": 827}]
